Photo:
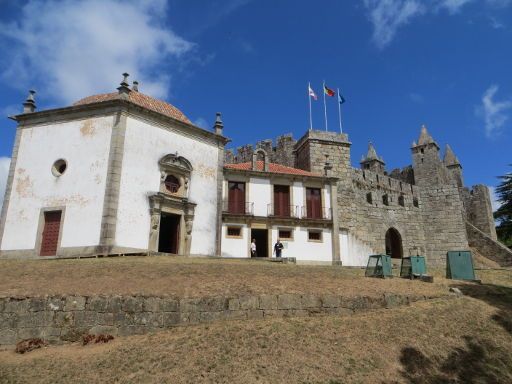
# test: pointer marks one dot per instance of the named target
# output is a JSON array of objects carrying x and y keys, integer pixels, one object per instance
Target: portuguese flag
[{"x": 328, "y": 91}]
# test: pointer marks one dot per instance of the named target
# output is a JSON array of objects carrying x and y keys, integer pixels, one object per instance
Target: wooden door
[
  {"x": 314, "y": 203},
  {"x": 282, "y": 200},
  {"x": 236, "y": 197},
  {"x": 50, "y": 238}
]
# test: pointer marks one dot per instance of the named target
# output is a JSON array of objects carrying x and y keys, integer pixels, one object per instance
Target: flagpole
[
  {"x": 325, "y": 106},
  {"x": 310, "y": 116},
  {"x": 339, "y": 110}
]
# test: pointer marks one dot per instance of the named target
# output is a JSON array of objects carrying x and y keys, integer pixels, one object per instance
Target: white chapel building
[{"x": 124, "y": 173}]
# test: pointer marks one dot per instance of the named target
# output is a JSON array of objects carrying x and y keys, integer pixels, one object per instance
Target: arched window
[{"x": 172, "y": 184}]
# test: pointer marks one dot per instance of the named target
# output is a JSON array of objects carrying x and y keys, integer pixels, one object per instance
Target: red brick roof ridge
[
  {"x": 272, "y": 167},
  {"x": 141, "y": 100}
]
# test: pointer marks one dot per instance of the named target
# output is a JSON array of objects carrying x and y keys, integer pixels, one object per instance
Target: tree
[{"x": 504, "y": 213}]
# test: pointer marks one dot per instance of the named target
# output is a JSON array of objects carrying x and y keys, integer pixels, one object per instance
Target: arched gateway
[{"x": 394, "y": 244}]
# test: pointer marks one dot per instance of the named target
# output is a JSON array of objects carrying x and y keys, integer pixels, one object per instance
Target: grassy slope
[
  {"x": 431, "y": 342},
  {"x": 468, "y": 340},
  {"x": 192, "y": 277}
]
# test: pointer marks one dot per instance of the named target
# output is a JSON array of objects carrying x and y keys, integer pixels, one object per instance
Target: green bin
[
  {"x": 459, "y": 265},
  {"x": 379, "y": 266},
  {"x": 413, "y": 266}
]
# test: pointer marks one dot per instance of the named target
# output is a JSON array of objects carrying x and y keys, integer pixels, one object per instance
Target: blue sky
[{"x": 399, "y": 64}]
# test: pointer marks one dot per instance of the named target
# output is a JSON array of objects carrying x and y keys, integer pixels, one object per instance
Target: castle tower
[
  {"x": 372, "y": 161},
  {"x": 428, "y": 167},
  {"x": 452, "y": 163},
  {"x": 312, "y": 148}
]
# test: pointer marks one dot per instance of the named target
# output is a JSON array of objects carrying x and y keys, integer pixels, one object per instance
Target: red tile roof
[
  {"x": 272, "y": 167},
  {"x": 141, "y": 100}
]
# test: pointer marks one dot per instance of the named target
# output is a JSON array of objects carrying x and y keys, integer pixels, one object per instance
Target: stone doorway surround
[{"x": 174, "y": 201}]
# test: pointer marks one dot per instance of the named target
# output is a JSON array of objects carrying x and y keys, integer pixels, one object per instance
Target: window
[
  {"x": 401, "y": 200},
  {"x": 313, "y": 203},
  {"x": 59, "y": 167},
  {"x": 285, "y": 234},
  {"x": 415, "y": 202},
  {"x": 172, "y": 184},
  {"x": 385, "y": 199},
  {"x": 314, "y": 235},
  {"x": 236, "y": 197},
  {"x": 369, "y": 198},
  {"x": 234, "y": 232},
  {"x": 282, "y": 200}
]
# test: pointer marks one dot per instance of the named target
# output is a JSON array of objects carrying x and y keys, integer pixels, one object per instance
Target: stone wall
[
  {"x": 67, "y": 318},
  {"x": 478, "y": 209},
  {"x": 489, "y": 247},
  {"x": 281, "y": 153}
]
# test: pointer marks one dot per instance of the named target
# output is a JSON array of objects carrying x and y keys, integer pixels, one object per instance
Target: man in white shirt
[{"x": 253, "y": 248}]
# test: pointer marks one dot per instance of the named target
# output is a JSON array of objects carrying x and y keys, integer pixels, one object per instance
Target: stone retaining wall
[
  {"x": 488, "y": 247},
  {"x": 67, "y": 318}
]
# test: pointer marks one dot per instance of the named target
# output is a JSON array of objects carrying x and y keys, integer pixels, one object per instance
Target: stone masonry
[
  {"x": 426, "y": 202},
  {"x": 66, "y": 318}
]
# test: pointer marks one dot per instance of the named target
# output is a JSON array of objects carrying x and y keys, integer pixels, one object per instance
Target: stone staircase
[{"x": 488, "y": 247}]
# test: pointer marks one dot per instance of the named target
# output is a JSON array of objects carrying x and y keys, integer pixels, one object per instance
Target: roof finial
[
  {"x": 219, "y": 125},
  {"x": 29, "y": 105},
  {"x": 124, "y": 89},
  {"x": 135, "y": 86}
]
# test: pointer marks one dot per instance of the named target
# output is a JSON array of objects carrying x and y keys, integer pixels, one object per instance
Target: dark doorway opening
[
  {"x": 261, "y": 237},
  {"x": 394, "y": 244},
  {"x": 168, "y": 239}
]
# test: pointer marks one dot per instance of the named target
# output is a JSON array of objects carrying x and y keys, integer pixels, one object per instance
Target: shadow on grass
[
  {"x": 498, "y": 296},
  {"x": 478, "y": 362}
]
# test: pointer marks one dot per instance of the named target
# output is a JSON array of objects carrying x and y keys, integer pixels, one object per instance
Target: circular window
[
  {"x": 172, "y": 184},
  {"x": 59, "y": 167}
]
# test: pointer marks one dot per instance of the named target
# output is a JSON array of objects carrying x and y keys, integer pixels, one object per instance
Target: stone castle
[
  {"x": 124, "y": 173},
  {"x": 423, "y": 208}
]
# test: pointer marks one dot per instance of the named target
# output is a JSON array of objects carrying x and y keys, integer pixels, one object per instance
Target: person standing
[
  {"x": 278, "y": 248},
  {"x": 253, "y": 248}
]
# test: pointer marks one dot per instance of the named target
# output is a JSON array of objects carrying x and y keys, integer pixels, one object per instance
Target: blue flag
[{"x": 341, "y": 99}]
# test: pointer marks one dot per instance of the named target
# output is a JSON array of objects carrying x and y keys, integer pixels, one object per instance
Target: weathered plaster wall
[
  {"x": 303, "y": 249},
  {"x": 145, "y": 144},
  {"x": 84, "y": 144},
  {"x": 260, "y": 192},
  {"x": 235, "y": 247}
]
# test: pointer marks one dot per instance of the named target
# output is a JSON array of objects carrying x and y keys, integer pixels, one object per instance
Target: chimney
[
  {"x": 135, "y": 86},
  {"x": 29, "y": 106},
  {"x": 124, "y": 89},
  {"x": 218, "y": 126}
]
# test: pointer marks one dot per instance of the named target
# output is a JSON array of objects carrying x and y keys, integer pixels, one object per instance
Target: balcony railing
[
  {"x": 234, "y": 208},
  {"x": 283, "y": 210},
  {"x": 318, "y": 213}
]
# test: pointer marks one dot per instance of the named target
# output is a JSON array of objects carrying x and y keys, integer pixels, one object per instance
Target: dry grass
[
  {"x": 189, "y": 277},
  {"x": 444, "y": 341}
]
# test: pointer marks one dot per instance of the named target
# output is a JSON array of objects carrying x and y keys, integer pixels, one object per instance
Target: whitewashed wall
[
  {"x": 232, "y": 247},
  {"x": 304, "y": 250},
  {"x": 84, "y": 144},
  {"x": 260, "y": 192},
  {"x": 357, "y": 252},
  {"x": 145, "y": 145},
  {"x": 298, "y": 194}
]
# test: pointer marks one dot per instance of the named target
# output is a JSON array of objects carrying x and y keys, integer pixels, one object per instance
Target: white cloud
[
  {"x": 71, "y": 49},
  {"x": 416, "y": 98},
  {"x": 389, "y": 15},
  {"x": 494, "y": 113},
  {"x": 453, "y": 6},
  {"x": 4, "y": 171}
]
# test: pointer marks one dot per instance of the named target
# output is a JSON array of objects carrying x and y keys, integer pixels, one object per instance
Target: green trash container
[
  {"x": 413, "y": 266},
  {"x": 459, "y": 265},
  {"x": 379, "y": 266}
]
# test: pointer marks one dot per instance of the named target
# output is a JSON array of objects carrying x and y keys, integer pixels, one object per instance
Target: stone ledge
[{"x": 59, "y": 318}]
